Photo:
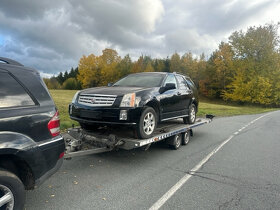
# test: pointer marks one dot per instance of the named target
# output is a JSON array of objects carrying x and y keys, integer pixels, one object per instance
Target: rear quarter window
[{"x": 12, "y": 94}]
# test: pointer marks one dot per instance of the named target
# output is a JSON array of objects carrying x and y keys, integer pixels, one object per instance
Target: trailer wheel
[
  {"x": 12, "y": 193},
  {"x": 190, "y": 119},
  {"x": 185, "y": 138},
  {"x": 175, "y": 141}
]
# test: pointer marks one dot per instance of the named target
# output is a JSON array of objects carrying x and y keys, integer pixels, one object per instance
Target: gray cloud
[{"x": 52, "y": 35}]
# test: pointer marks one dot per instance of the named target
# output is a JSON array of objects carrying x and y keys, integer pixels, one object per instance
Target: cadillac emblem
[{"x": 92, "y": 100}]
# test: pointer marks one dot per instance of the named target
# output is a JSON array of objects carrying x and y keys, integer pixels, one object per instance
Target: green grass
[
  {"x": 229, "y": 110},
  {"x": 63, "y": 97}
]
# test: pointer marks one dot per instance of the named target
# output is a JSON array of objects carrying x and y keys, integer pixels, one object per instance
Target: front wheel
[
  {"x": 147, "y": 123},
  {"x": 190, "y": 119},
  {"x": 12, "y": 193}
]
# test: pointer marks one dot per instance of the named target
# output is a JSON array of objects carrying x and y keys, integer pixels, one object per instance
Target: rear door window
[
  {"x": 12, "y": 94},
  {"x": 182, "y": 83}
]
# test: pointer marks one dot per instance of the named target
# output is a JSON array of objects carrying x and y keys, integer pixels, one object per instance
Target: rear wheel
[
  {"x": 147, "y": 123},
  {"x": 12, "y": 193},
  {"x": 190, "y": 119}
]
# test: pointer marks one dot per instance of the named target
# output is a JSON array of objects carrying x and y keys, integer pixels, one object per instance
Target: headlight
[
  {"x": 75, "y": 97},
  {"x": 128, "y": 100}
]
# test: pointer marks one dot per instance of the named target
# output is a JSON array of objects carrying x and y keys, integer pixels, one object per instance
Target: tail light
[
  {"x": 54, "y": 125},
  {"x": 61, "y": 155}
]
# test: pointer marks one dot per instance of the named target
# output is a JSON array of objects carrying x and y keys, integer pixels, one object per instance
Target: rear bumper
[
  {"x": 49, "y": 173},
  {"x": 48, "y": 159}
]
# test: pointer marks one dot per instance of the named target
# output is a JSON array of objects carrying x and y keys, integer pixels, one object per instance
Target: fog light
[{"x": 123, "y": 115}]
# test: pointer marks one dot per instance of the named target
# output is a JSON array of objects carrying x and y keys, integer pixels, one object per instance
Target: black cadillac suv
[
  {"x": 31, "y": 147},
  {"x": 141, "y": 100}
]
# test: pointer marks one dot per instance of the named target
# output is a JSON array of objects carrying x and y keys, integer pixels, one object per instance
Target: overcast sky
[{"x": 52, "y": 35}]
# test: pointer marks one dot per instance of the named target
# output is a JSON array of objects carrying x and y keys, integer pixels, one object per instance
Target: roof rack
[{"x": 10, "y": 61}]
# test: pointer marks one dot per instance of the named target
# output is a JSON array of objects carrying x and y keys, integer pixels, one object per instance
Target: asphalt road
[{"x": 243, "y": 174}]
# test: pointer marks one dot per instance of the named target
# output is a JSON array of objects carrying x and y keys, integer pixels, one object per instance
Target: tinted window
[
  {"x": 141, "y": 80},
  {"x": 170, "y": 79},
  {"x": 12, "y": 93},
  {"x": 190, "y": 83},
  {"x": 182, "y": 83}
]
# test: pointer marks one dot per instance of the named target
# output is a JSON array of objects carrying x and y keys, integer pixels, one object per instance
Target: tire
[
  {"x": 175, "y": 142},
  {"x": 185, "y": 138},
  {"x": 147, "y": 123},
  {"x": 190, "y": 119},
  {"x": 12, "y": 187}
]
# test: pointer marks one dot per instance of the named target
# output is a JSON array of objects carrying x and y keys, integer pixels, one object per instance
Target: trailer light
[{"x": 123, "y": 115}]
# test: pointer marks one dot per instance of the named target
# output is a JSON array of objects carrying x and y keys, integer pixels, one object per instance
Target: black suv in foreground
[
  {"x": 31, "y": 148},
  {"x": 141, "y": 100}
]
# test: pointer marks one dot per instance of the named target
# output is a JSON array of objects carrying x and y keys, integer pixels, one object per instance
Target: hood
[{"x": 114, "y": 90}]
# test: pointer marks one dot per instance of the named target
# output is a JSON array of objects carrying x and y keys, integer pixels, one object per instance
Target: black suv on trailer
[
  {"x": 141, "y": 100},
  {"x": 31, "y": 148}
]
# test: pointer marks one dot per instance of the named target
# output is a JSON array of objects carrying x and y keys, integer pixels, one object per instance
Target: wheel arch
[
  {"x": 195, "y": 102},
  {"x": 155, "y": 105},
  {"x": 19, "y": 167}
]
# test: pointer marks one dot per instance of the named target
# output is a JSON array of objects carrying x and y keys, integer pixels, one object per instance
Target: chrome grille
[{"x": 97, "y": 100}]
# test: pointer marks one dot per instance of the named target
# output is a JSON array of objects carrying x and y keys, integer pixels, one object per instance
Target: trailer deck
[{"x": 83, "y": 142}]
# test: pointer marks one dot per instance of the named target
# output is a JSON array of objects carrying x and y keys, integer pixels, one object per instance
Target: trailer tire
[
  {"x": 175, "y": 141},
  {"x": 190, "y": 119},
  {"x": 11, "y": 185},
  {"x": 147, "y": 123},
  {"x": 186, "y": 137}
]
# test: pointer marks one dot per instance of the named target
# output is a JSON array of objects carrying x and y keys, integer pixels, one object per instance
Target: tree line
[{"x": 246, "y": 69}]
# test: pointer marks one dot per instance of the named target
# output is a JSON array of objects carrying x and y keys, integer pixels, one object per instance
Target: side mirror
[
  {"x": 110, "y": 84},
  {"x": 168, "y": 86}
]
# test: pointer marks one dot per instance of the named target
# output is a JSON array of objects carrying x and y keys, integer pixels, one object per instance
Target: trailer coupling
[{"x": 81, "y": 142}]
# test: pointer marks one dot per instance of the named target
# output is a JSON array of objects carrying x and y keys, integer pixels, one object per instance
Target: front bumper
[{"x": 104, "y": 115}]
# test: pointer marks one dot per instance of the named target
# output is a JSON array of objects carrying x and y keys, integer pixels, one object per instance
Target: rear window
[{"x": 12, "y": 94}]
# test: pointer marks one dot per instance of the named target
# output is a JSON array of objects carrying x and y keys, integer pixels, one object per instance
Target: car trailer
[{"x": 81, "y": 142}]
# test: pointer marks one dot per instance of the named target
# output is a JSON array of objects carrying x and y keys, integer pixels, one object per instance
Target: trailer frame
[{"x": 80, "y": 142}]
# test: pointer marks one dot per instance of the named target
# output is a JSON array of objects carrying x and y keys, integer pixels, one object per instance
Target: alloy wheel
[
  {"x": 6, "y": 198},
  {"x": 149, "y": 123}
]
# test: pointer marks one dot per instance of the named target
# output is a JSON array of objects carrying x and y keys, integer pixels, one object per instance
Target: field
[{"x": 62, "y": 99}]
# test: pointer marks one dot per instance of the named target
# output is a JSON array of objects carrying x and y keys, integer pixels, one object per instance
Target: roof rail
[{"x": 10, "y": 61}]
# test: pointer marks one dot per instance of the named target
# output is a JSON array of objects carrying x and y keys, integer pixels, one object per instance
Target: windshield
[{"x": 141, "y": 80}]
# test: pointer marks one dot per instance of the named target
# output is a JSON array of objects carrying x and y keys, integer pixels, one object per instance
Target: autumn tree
[
  {"x": 71, "y": 84},
  {"x": 175, "y": 63},
  {"x": 52, "y": 83},
  {"x": 257, "y": 66},
  {"x": 124, "y": 67},
  {"x": 89, "y": 71},
  {"x": 109, "y": 62}
]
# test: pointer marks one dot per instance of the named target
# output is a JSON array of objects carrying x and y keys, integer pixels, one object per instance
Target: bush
[{"x": 71, "y": 84}]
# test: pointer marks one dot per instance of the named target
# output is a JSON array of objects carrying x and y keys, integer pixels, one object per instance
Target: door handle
[{"x": 179, "y": 93}]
